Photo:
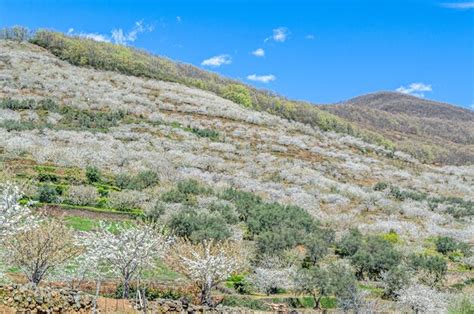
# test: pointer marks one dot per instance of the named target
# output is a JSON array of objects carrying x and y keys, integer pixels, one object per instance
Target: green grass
[
  {"x": 81, "y": 223},
  {"x": 133, "y": 213}
]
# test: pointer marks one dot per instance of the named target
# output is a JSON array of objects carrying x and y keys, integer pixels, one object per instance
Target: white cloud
[
  {"x": 118, "y": 36},
  {"x": 261, "y": 78},
  {"x": 415, "y": 89},
  {"x": 121, "y": 38},
  {"x": 280, "y": 34},
  {"x": 459, "y": 5},
  {"x": 310, "y": 37},
  {"x": 217, "y": 61},
  {"x": 93, "y": 36},
  {"x": 259, "y": 52},
  {"x": 178, "y": 19}
]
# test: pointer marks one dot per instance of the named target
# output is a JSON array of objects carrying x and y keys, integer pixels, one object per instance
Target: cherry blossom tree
[
  {"x": 272, "y": 275},
  {"x": 422, "y": 299},
  {"x": 39, "y": 250},
  {"x": 13, "y": 216},
  {"x": 207, "y": 263},
  {"x": 127, "y": 250}
]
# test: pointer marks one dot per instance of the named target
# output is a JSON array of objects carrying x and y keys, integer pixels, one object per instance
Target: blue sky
[{"x": 321, "y": 51}]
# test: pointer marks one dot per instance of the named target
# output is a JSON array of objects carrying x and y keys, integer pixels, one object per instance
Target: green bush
[
  {"x": 239, "y": 283},
  {"x": 435, "y": 266},
  {"x": 47, "y": 177},
  {"x": 238, "y": 94},
  {"x": 198, "y": 226},
  {"x": 93, "y": 175},
  {"x": 244, "y": 201},
  {"x": 142, "y": 180},
  {"x": 48, "y": 194},
  {"x": 185, "y": 192},
  {"x": 446, "y": 245},
  {"x": 380, "y": 186},
  {"x": 211, "y": 134},
  {"x": 350, "y": 243}
]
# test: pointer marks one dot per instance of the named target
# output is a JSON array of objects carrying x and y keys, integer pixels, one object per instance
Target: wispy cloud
[
  {"x": 458, "y": 5},
  {"x": 217, "y": 61},
  {"x": 122, "y": 38},
  {"x": 280, "y": 34},
  {"x": 310, "y": 37},
  {"x": 415, "y": 89},
  {"x": 261, "y": 78},
  {"x": 178, "y": 19},
  {"x": 117, "y": 35},
  {"x": 259, "y": 52}
]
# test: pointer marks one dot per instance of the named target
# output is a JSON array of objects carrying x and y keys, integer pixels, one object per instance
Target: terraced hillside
[
  {"x": 431, "y": 131},
  {"x": 98, "y": 141}
]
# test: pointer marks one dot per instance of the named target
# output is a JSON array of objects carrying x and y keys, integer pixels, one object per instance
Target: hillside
[
  {"x": 92, "y": 144},
  {"x": 431, "y": 131}
]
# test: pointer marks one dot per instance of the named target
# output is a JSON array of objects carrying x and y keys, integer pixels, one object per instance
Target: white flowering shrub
[
  {"x": 82, "y": 195},
  {"x": 270, "y": 280},
  {"x": 127, "y": 200},
  {"x": 13, "y": 216},
  {"x": 422, "y": 299}
]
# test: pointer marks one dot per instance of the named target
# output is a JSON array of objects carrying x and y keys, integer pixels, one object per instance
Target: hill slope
[
  {"x": 430, "y": 130},
  {"x": 79, "y": 139}
]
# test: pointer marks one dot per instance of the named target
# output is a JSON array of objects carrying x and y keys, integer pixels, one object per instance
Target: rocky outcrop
[{"x": 44, "y": 299}]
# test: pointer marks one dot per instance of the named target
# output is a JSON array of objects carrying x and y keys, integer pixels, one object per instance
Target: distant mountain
[{"x": 430, "y": 130}]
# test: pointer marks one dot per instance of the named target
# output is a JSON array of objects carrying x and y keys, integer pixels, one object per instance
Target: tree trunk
[
  {"x": 97, "y": 290},
  {"x": 126, "y": 288},
  {"x": 317, "y": 302},
  {"x": 206, "y": 298}
]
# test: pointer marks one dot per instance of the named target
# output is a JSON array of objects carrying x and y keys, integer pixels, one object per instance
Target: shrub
[
  {"x": 82, "y": 195},
  {"x": 433, "y": 268},
  {"x": 394, "y": 280},
  {"x": 211, "y": 134},
  {"x": 47, "y": 177},
  {"x": 126, "y": 200},
  {"x": 142, "y": 180},
  {"x": 380, "y": 186},
  {"x": 391, "y": 237},
  {"x": 226, "y": 211},
  {"x": 238, "y": 94},
  {"x": 239, "y": 283},
  {"x": 198, "y": 226},
  {"x": 185, "y": 192},
  {"x": 48, "y": 194},
  {"x": 93, "y": 175},
  {"x": 244, "y": 201},
  {"x": 446, "y": 245},
  {"x": 350, "y": 243},
  {"x": 154, "y": 213}
]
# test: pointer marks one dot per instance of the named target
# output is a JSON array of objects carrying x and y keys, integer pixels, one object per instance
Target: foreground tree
[
  {"x": 127, "y": 250},
  {"x": 207, "y": 263},
  {"x": 315, "y": 281},
  {"x": 41, "y": 249},
  {"x": 422, "y": 299},
  {"x": 13, "y": 216}
]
